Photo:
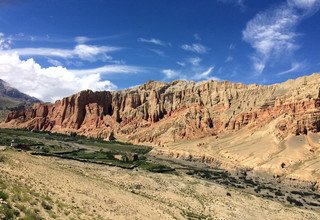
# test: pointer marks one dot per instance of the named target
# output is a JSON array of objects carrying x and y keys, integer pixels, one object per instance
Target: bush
[
  {"x": 9, "y": 213},
  {"x": 31, "y": 215},
  {"x": 2, "y": 158},
  {"x": 46, "y": 206},
  {"x": 73, "y": 134},
  {"x": 3, "y": 195},
  {"x": 294, "y": 201}
]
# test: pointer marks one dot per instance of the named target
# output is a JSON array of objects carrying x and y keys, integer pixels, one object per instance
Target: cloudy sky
[{"x": 51, "y": 48}]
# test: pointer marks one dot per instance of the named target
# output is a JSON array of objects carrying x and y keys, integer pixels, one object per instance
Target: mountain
[
  {"x": 11, "y": 97},
  {"x": 271, "y": 129}
]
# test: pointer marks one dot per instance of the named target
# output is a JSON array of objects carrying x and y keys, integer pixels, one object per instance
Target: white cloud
[
  {"x": 81, "y": 39},
  {"x": 158, "y": 52},
  {"x": 81, "y": 51},
  {"x": 294, "y": 67},
  {"x": 229, "y": 59},
  {"x": 49, "y": 84},
  {"x": 205, "y": 75},
  {"x": 232, "y": 46},
  {"x": 54, "y": 62},
  {"x": 197, "y": 36},
  {"x": 307, "y": 6},
  {"x": 196, "y": 76},
  {"x": 4, "y": 42},
  {"x": 272, "y": 32},
  {"x": 75, "y": 63},
  {"x": 181, "y": 63},
  {"x": 239, "y": 3},
  {"x": 47, "y": 38},
  {"x": 170, "y": 74},
  {"x": 196, "y": 48},
  {"x": 92, "y": 53},
  {"x": 195, "y": 61},
  {"x": 108, "y": 69},
  {"x": 154, "y": 41}
]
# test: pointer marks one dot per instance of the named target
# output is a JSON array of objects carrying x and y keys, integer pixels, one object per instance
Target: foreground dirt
[{"x": 77, "y": 190}]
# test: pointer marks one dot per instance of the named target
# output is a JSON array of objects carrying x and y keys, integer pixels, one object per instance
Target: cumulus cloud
[
  {"x": 81, "y": 51},
  {"x": 272, "y": 32},
  {"x": 49, "y": 84},
  {"x": 196, "y": 48},
  {"x": 154, "y": 41}
]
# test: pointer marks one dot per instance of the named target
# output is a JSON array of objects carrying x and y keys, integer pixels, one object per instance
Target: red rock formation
[{"x": 166, "y": 112}]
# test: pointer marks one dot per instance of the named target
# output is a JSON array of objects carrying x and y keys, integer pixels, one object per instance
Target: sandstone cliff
[
  {"x": 209, "y": 121},
  {"x": 167, "y": 112}
]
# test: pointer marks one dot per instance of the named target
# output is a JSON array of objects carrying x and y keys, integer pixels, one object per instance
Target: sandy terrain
[
  {"x": 295, "y": 157},
  {"x": 87, "y": 191}
]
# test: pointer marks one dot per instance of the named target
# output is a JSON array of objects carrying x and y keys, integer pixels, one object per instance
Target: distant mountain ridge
[
  {"x": 11, "y": 98},
  {"x": 9, "y": 92}
]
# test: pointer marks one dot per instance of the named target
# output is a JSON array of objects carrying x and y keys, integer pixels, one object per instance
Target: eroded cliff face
[
  {"x": 272, "y": 129},
  {"x": 162, "y": 113}
]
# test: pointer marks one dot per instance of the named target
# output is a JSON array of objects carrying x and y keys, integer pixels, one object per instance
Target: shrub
[
  {"x": 31, "y": 215},
  {"x": 8, "y": 212},
  {"x": 2, "y": 158},
  {"x": 294, "y": 201},
  {"x": 46, "y": 206},
  {"x": 73, "y": 134},
  {"x": 3, "y": 195}
]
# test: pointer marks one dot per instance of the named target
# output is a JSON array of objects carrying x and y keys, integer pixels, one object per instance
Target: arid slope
[{"x": 87, "y": 191}]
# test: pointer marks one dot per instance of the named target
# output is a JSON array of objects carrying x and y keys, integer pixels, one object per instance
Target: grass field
[{"x": 82, "y": 149}]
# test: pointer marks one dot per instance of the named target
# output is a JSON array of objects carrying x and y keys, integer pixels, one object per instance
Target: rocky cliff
[
  {"x": 161, "y": 113},
  {"x": 210, "y": 121}
]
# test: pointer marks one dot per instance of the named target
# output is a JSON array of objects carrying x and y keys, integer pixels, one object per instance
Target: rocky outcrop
[{"x": 161, "y": 113}]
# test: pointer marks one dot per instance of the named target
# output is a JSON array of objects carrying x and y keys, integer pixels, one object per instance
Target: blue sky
[{"x": 51, "y": 48}]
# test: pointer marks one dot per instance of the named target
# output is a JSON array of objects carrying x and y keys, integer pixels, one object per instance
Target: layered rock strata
[{"x": 161, "y": 113}]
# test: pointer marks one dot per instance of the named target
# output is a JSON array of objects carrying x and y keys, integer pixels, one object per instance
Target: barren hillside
[{"x": 65, "y": 189}]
